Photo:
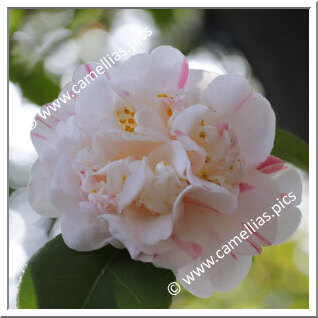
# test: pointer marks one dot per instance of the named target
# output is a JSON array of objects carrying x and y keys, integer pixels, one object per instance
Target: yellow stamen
[
  {"x": 202, "y": 134},
  {"x": 124, "y": 177},
  {"x": 94, "y": 191},
  {"x": 126, "y": 119},
  {"x": 207, "y": 159},
  {"x": 169, "y": 111},
  {"x": 202, "y": 122},
  {"x": 165, "y": 163},
  {"x": 162, "y": 95},
  {"x": 204, "y": 174}
]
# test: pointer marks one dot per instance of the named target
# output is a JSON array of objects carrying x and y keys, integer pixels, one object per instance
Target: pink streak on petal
[
  {"x": 198, "y": 203},
  {"x": 179, "y": 133},
  {"x": 244, "y": 186},
  {"x": 261, "y": 237},
  {"x": 126, "y": 93},
  {"x": 57, "y": 120},
  {"x": 89, "y": 70},
  {"x": 38, "y": 135},
  {"x": 271, "y": 160},
  {"x": 274, "y": 168},
  {"x": 192, "y": 249},
  {"x": 234, "y": 256},
  {"x": 255, "y": 246},
  {"x": 136, "y": 253},
  {"x": 240, "y": 105},
  {"x": 43, "y": 122},
  {"x": 184, "y": 73},
  {"x": 107, "y": 75},
  {"x": 283, "y": 195},
  {"x": 222, "y": 127},
  {"x": 140, "y": 255}
]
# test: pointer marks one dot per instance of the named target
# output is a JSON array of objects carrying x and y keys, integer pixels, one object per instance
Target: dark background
[{"x": 276, "y": 44}]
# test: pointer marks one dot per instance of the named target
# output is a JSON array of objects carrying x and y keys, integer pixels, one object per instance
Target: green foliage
[
  {"x": 164, "y": 17},
  {"x": 15, "y": 19},
  {"x": 37, "y": 86},
  {"x": 59, "y": 277},
  {"x": 292, "y": 149}
]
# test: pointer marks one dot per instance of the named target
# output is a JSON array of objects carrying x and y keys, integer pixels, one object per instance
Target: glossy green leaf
[
  {"x": 292, "y": 149},
  {"x": 59, "y": 277},
  {"x": 35, "y": 85}
]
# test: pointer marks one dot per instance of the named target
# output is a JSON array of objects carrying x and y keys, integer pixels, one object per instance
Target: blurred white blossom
[
  {"x": 40, "y": 34},
  {"x": 21, "y": 150},
  {"x": 28, "y": 231}
]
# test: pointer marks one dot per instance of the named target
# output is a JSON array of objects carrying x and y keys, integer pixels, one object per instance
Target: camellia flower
[{"x": 166, "y": 162}]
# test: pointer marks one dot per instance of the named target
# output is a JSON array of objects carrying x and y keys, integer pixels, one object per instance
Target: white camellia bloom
[{"x": 166, "y": 162}]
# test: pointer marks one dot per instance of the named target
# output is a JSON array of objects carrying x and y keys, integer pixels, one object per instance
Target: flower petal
[
  {"x": 226, "y": 93},
  {"x": 223, "y": 276},
  {"x": 82, "y": 230},
  {"x": 254, "y": 126},
  {"x": 38, "y": 190}
]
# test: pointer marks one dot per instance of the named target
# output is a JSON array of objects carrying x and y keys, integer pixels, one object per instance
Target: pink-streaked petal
[
  {"x": 254, "y": 127},
  {"x": 226, "y": 93}
]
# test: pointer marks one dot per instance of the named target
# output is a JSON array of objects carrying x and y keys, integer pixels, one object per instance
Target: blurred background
[{"x": 269, "y": 47}]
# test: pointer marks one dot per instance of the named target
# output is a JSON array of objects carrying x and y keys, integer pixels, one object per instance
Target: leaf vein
[{"x": 123, "y": 284}]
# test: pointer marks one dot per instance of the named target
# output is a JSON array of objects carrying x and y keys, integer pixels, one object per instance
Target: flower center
[{"x": 126, "y": 119}]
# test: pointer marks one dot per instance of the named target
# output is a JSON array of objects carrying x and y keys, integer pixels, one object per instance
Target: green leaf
[
  {"x": 36, "y": 85},
  {"x": 15, "y": 19},
  {"x": 292, "y": 149},
  {"x": 59, "y": 277}
]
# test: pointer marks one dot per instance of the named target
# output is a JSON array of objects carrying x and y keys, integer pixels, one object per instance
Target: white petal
[
  {"x": 254, "y": 126},
  {"x": 223, "y": 276},
  {"x": 288, "y": 221},
  {"x": 173, "y": 153},
  {"x": 197, "y": 82},
  {"x": 38, "y": 190},
  {"x": 82, "y": 230},
  {"x": 189, "y": 119},
  {"x": 95, "y": 106},
  {"x": 64, "y": 190},
  {"x": 140, "y": 225},
  {"x": 226, "y": 93},
  {"x": 170, "y": 67},
  {"x": 133, "y": 184}
]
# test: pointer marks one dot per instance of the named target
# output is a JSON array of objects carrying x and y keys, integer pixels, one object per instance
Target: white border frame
[{"x": 312, "y": 163}]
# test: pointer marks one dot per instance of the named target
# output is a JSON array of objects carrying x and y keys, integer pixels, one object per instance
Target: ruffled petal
[
  {"x": 226, "y": 94},
  {"x": 82, "y": 230},
  {"x": 165, "y": 68},
  {"x": 254, "y": 126},
  {"x": 95, "y": 107},
  {"x": 137, "y": 223},
  {"x": 38, "y": 190},
  {"x": 64, "y": 190},
  {"x": 133, "y": 184},
  {"x": 223, "y": 276}
]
